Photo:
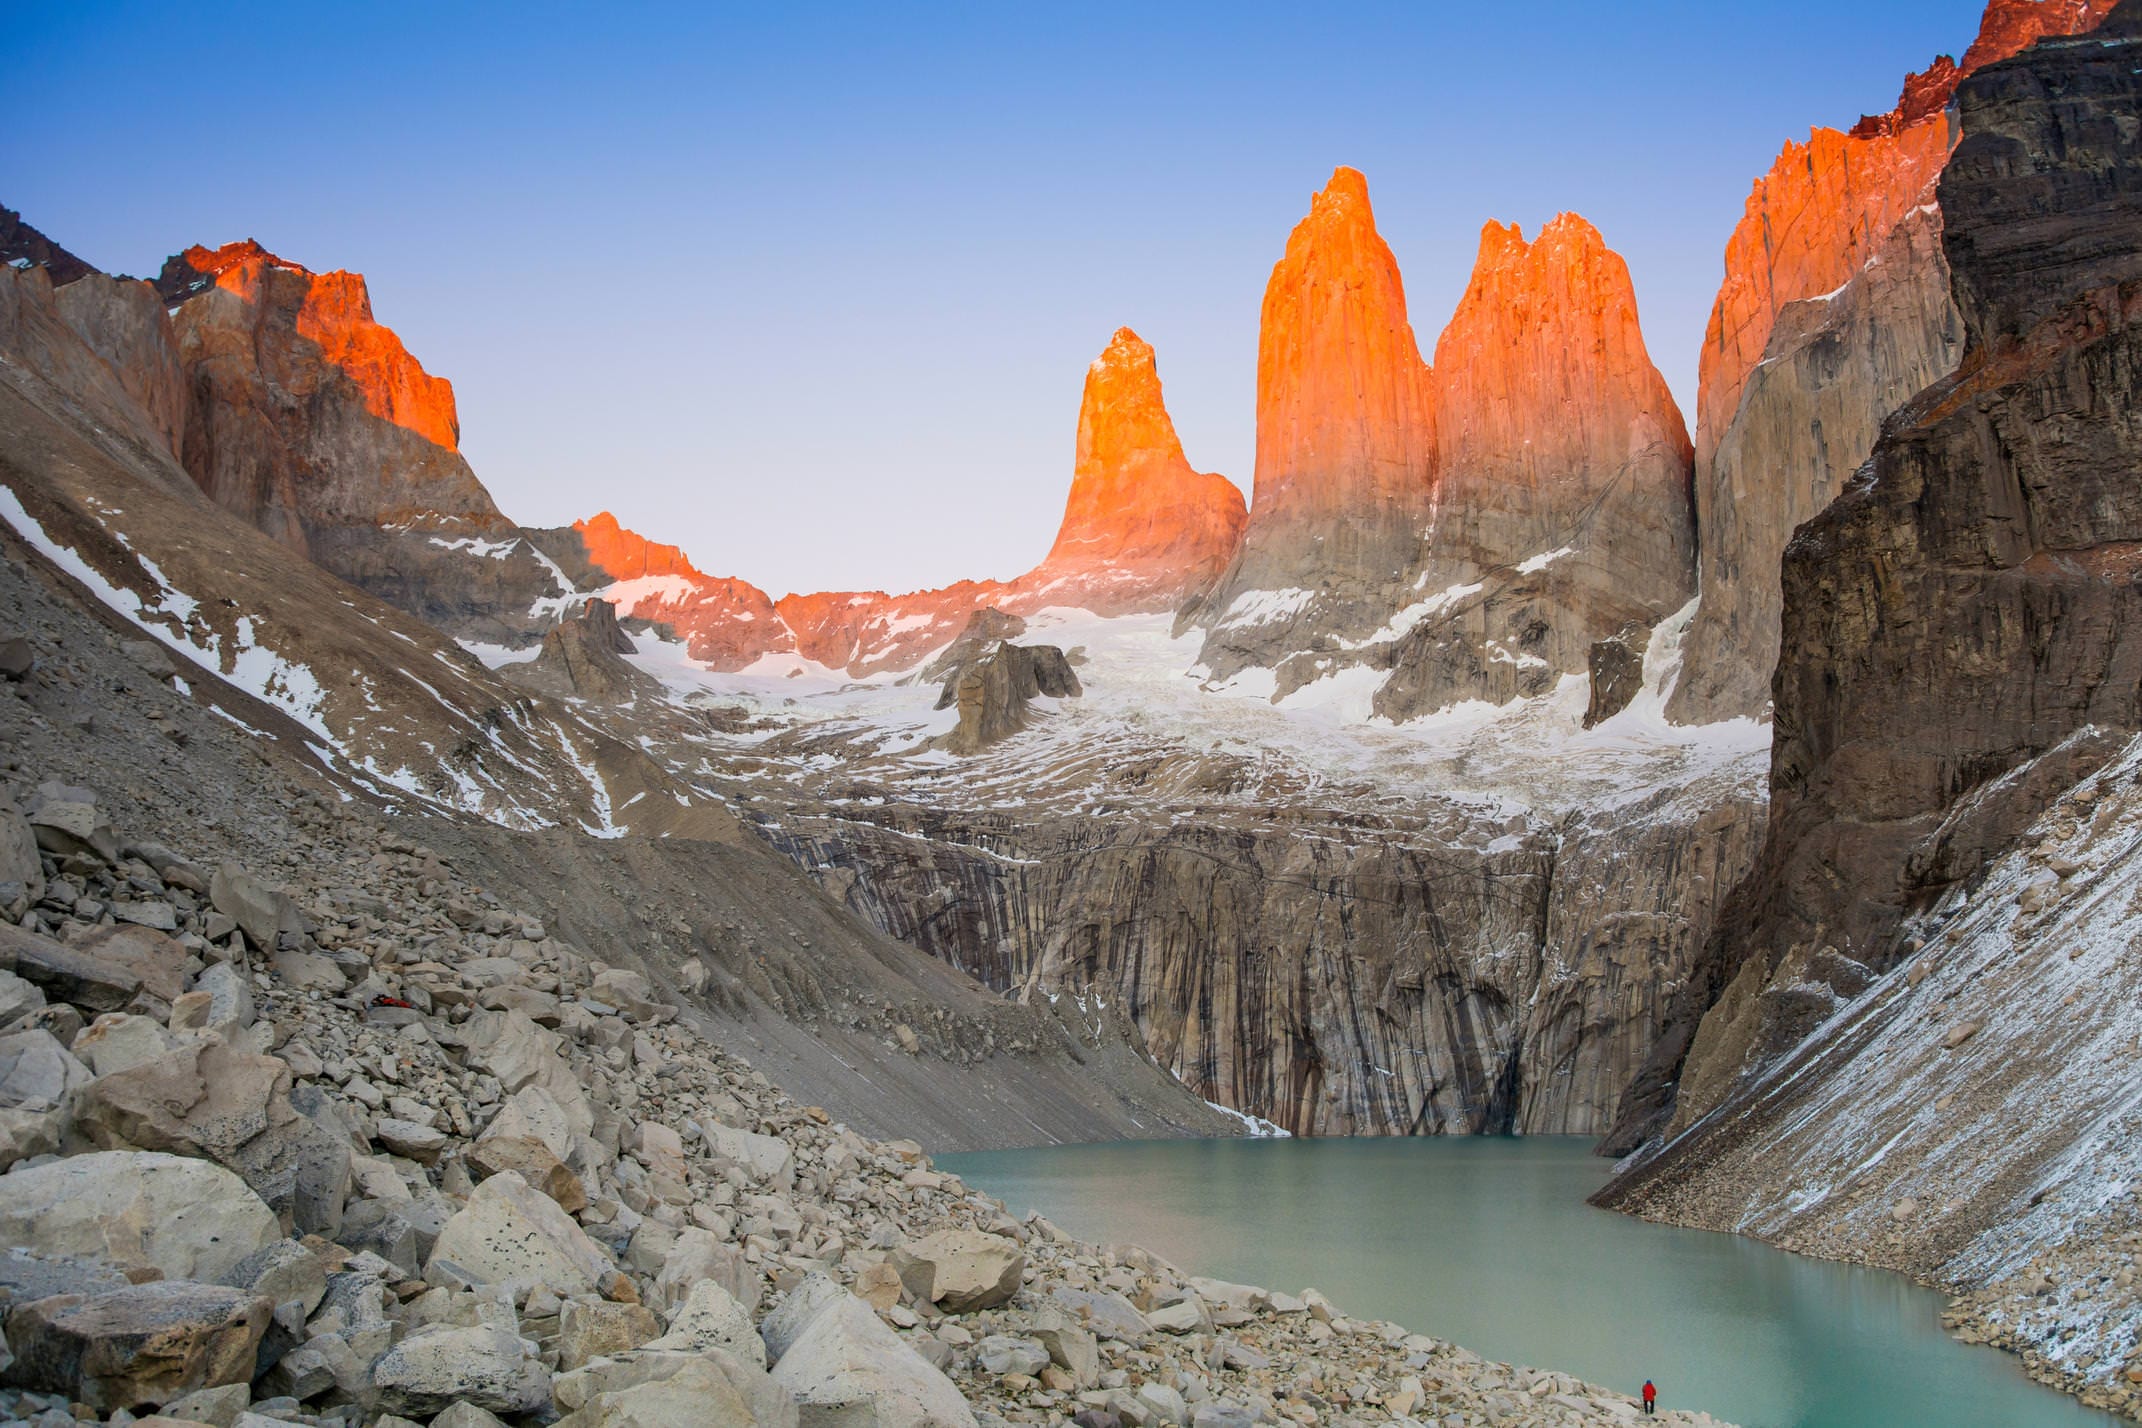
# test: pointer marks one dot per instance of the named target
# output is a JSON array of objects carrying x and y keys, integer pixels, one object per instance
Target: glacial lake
[{"x": 1488, "y": 1242}]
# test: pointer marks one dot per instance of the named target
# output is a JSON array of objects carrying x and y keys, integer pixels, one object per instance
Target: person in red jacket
[{"x": 1651, "y": 1396}]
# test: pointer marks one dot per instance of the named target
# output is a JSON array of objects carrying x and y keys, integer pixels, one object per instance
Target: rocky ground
[{"x": 371, "y": 1147}]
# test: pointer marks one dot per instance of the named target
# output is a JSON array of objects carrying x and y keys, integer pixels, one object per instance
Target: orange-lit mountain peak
[
  {"x": 1121, "y": 417},
  {"x": 1141, "y": 528},
  {"x": 624, "y": 554},
  {"x": 333, "y": 312},
  {"x": 1544, "y": 359}
]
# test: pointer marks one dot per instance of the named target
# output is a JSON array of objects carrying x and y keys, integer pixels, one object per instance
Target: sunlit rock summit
[{"x": 1142, "y": 529}]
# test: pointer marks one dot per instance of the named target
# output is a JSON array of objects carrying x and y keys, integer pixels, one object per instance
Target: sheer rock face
[
  {"x": 1345, "y": 439},
  {"x": 1962, "y": 634},
  {"x": 312, "y": 422},
  {"x": 1834, "y": 311},
  {"x": 1472, "y": 975},
  {"x": 123, "y": 322},
  {"x": 1562, "y": 465},
  {"x": 1142, "y": 530}
]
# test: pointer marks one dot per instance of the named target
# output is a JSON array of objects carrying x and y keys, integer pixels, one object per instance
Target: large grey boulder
[
  {"x": 146, "y": 1343},
  {"x": 485, "y": 1365},
  {"x": 137, "y": 1209},
  {"x": 847, "y": 1370},
  {"x": 1107, "y": 1315},
  {"x": 205, "y": 1098},
  {"x": 763, "y": 1157},
  {"x": 960, "y": 1271},
  {"x": 39, "y": 1083},
  {"x": 514, "y": 1235},
  {"x": 797, "y": 1311},
  {"x": 698, "y": 1254},
  {"x": 688, "y": 1391},
  {"x": 263, "y": 912},
  {"x": 710, "y": 1318},
  {"x": 120, "y": 1041},
  {"x": 532, "y": 1135}
]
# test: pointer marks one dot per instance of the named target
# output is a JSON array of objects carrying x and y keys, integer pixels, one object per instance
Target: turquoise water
[{"x": 1488, "y": 1242}]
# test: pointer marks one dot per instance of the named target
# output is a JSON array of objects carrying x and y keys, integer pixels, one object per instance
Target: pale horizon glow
[{"x": 812, "y": 293}]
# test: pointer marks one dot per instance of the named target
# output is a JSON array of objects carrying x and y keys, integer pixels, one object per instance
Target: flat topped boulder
[
  {"x": 143, "y": 1344},
  {"x": 960, "y": 1271},
  {"x": 137, "y": 1210}
]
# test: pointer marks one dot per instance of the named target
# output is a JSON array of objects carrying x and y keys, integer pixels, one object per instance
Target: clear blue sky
[{"x": 811, "y": 289}]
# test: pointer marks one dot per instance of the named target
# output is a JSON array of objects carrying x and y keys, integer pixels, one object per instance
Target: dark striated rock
[
  {"x": 1969, "y": 607},
  {"x": 1334, "y": 976},
  {"x": 993, "y": 693},
  {"x": 583, "y": 656},
  {"x": 1617, "y": 673}
]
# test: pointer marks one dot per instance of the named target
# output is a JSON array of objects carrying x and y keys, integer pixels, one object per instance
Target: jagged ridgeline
[{"x": 409, "y": 915}]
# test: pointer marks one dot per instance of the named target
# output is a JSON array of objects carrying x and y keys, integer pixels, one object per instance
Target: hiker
[{"x": 1651, "y": 1396}]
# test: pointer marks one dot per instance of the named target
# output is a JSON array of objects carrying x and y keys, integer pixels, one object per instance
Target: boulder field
[{"x": 271, "y": 1157}]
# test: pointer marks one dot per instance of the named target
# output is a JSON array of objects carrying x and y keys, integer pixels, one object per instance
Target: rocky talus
[
  {"x": 1959, "y": 671},
  {"x": 366, "y": 1142},
  {"x": 1835, "y": 310}
]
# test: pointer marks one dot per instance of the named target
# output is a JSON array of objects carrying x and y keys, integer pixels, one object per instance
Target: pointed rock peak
[
  {"x": 624, "y": 554},
  {"x": 1124, "y": 350},
  {"x": 1565, "y": 233},
  {"x": 1122, "y": 415},
  {"x": 1348, "y": 189},
  {"x": 1141, "y": 528},
  {"x": 22, "y": 246}
]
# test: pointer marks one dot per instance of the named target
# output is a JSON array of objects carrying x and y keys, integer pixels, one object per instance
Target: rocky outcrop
[
  {"x": 1346, "y": 430},
  {"x": 1562, "y": 466},
  {"x": 311, "y": 421},
  {"x": 1835, "y": 309},
  {"x": 22, "y": 247},
  {"x": 994, "y": 693},
  {"x": 1960, "y": 626},
  {"x": 1142, "y": 530},
  {"x": 583, "y": 657}
]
